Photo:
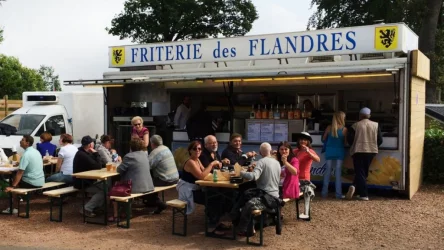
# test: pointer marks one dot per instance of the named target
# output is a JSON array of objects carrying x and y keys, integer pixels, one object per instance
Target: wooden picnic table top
[
  {"x": 223, "y": 184},
  {"x": 52, "y": 161},
  {"x": 7, "y": 169},
  {"x": 100, "y": 174}
]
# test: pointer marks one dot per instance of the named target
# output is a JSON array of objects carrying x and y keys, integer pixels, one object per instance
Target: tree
[
  {"x": 1, "y": 30},
  {"x": 52, "y": 82},
  {"x": 147, "y": 21},
  {"x": 423, "y": 16},
  {"x": 16, "y": 79}
]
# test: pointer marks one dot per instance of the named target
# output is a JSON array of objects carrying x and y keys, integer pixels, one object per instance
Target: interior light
[
  {"x": 227, "y": 80},
  {"x": 323, "y": 77},
  {"x": 257, "y": 79},
  {"x": 367, "y": 75},
  {"x": 289, "y": 78}
]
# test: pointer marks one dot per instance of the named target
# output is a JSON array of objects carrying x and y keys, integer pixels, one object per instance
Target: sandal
[
  {"x": 112, "y": 219},
  {"x": 218, "y": 232},
  {"x": 223, "y": 227}
]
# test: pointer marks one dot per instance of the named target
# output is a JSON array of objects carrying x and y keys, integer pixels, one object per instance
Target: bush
[{"x": 434, "y": 155}]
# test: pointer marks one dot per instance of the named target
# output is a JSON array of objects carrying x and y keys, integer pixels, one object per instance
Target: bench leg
[
  {"x": 261, "y": 231},
  {"x": 163, "y": 196},
  {"x": 26, "y": 197},
  {"x": 60, "y": 205},
  {"x": 297, "y": 208},
  {"x": 127, "y": 206},
  {"x": 180, "y": 212}
]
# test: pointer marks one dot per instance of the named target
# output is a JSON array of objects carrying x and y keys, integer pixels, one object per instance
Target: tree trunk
[{"x": 427, "y": 40}]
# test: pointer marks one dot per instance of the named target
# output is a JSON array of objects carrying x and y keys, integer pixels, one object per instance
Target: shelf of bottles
[{"x": 279, "y": 112}]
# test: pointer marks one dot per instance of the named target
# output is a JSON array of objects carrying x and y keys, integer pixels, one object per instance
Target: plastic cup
[
  {"x": 114, "y": 167},
  {"x": 109, "y": 166}
]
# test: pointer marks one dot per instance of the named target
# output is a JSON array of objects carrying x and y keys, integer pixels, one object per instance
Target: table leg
[
  {"x": 83, "y": 200},
  {"x": 105, "y": 189},
  {"x": 207, "y": 193}
]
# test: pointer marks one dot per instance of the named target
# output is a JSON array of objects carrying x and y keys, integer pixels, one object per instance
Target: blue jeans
[
  {"x": 337, "y": 164},
  {"x": 60, "y": 177}
]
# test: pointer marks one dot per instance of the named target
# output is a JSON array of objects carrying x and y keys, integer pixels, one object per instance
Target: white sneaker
[
  {"x": 363, "y": 198},
  {"x": 351, "y": 191},
  {"x": 8, "y": 211},
  {"x": 303, "y": 216}
]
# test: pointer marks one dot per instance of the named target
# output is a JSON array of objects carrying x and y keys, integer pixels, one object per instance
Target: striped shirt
[{"x": 163, "y": 165}]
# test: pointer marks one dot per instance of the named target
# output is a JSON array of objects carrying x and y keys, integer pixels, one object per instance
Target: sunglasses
[
  {"x": 197, "y": 149},
  {"x": 137, "y": 124}
]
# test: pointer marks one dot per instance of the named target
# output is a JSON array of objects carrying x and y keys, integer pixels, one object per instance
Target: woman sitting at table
[
  {"x": 135, "y": 167},
  {"x": 64, "y": 166},
  {"x": 45, "y": 145},
  {"x": 193, "y": 170}
]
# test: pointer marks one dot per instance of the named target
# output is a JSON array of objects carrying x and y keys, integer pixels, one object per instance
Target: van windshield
[{"x": 25, "y": 124}]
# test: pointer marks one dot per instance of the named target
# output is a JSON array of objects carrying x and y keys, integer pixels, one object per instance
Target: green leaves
[
  {"x": 434, "y": 155},
  {"x": 147, "y": 21},
  {"x": 52, "y": 82},
  {"x": 15, "y": 78}
]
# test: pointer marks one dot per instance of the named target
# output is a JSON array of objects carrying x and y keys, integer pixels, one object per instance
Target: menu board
[
  {"x": 280, "y": 132},
  {"x": 267, "y": 131},
  {"x": 254, "y": 131}
]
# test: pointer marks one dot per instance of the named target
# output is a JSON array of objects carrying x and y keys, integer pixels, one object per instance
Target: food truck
[{"x": 270, "y": 87}]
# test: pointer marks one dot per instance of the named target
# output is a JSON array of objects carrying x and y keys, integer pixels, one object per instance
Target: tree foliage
[
  {"x": 1, "y": 30},
  {"x": 146, "y": 21},
  {"x": 52, "y": 82},
  {"x": 15, "y": 78}
]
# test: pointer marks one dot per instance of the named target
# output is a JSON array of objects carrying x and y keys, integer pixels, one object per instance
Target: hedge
[{"x": 434, "y": 155}]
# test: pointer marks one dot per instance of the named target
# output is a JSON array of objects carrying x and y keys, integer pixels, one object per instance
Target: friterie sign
[{"x": 353, "y": 40}]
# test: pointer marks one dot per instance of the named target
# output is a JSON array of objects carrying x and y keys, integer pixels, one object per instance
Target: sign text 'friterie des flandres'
[{"x": 362, "y": 39}]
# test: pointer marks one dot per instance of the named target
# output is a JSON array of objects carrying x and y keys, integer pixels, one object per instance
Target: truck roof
[{"x": 42, "y": 109}]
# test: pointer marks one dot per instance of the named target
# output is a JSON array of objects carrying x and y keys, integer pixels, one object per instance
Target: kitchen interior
[{"x": 291, "y": 107}]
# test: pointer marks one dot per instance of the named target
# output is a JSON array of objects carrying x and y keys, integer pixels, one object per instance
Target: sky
[{"x": 70, "y": 35}]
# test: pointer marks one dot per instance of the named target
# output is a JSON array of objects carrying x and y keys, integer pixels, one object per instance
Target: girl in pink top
[
  {"x": 285, "y": 156},
  {"x": 305, "y": 155}
]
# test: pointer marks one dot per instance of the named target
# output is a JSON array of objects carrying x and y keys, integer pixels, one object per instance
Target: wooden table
[
  {"x": 215, "y": 190},
  {"x": 8, "y": 172},
  {"x": 101, "y": 175},
  {"x": 51, "y": 163}
]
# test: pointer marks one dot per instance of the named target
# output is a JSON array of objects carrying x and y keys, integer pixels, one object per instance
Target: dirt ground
[{"x": 385, "y": 222}]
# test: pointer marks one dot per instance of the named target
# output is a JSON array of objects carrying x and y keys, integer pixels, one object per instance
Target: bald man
[{"x": 210, "y": 154}]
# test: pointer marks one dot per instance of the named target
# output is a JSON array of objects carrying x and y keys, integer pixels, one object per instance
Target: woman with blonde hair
[
  {"x": 139, "y": 131},
  {"x": 335, "y": 138}
]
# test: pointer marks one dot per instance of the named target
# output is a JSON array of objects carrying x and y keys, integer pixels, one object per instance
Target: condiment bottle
[
  {"x": 270, "y": 112},
  {"x": 283, "y": 113},
  {"x": 277, "y": 114},
  {"x": 215, "y": 175},
  {"x": 297, "y": 114},
  {"x": 258, "y": 112},
  {"x": 290, "y": 113},
  {"x": 264, "y": 112},
  {"x": 252, "y": 112}
]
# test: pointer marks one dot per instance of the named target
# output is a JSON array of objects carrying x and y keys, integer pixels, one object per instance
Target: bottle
[
  {"x": 284, "y": 113},
  {"x": 252, "y": 112},
  {"x": 297, "y": 114},
  {"x": 258, "y": 112},
  {"x": 270, "y": 112},
  {"x": 277, "y": 114},
  {"x": 264, "y": 112},
  {"x": 215, "y": 175},
  {"x": 290, "y": 113},
  {"x": 47, "y": 153},
  {"x": 304, "y": 113}
]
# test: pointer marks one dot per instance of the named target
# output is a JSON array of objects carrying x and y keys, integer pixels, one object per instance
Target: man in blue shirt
[{"x": 30, "y": 173}]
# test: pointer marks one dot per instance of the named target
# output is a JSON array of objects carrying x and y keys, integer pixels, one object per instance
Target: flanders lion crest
[
  {"x": 118, "y": 56},
  {"x": 386, "y": 38}
]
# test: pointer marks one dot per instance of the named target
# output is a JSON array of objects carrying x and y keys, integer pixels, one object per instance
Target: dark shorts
[{"x": 23, "y": 184}]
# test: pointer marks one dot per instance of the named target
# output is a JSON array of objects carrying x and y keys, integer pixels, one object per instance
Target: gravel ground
[{"x": 385, "y": 222}]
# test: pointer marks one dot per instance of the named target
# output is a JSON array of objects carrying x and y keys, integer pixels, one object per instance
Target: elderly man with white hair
[
  {"x": 163, "y": 169},
  {"x": 267, "y": 176},
  {"x": 210, "y": 155}
]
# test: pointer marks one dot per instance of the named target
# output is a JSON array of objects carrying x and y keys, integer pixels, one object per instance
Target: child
[{"x": 114, "y": 155}]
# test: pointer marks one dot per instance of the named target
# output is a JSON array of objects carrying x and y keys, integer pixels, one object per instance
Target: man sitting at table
[
  {"x": 209, "y": 153},
  {"x": 234, "y": 153},
  {"x": 267, "y": 175},
  {"x": 30, "y": 173},
  {"x": 163, "y": 170},
  {"x": 86, "y": 159}
]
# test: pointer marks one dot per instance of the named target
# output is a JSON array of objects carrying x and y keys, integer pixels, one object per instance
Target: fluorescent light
[
  {"x": 289, "y": 78},
  {"x": 323, "y": 77},
  {"x": 103, "y": 86},
  {"x": 227, "y": 80},
  {"x": 367, "y": 75},
  {"x": 140, "y": 78},
  {"x": 257, "y": 79}
]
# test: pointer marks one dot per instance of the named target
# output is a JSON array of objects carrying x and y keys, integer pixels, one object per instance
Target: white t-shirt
[{"x": 67, "y": 153}]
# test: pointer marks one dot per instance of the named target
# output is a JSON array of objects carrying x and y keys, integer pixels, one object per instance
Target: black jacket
[
  {"x": 205, "y": 158},
  {"x": 85, "y": 161},
  {"x": 200, "y": 125},
  {"x": 235, "y": 157}
]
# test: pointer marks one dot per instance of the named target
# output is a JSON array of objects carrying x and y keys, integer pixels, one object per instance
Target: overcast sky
[{"x": 70, "y": 35}]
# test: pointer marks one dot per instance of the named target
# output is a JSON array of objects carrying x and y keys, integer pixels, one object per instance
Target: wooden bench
[
  {"x": 26, "y": 193},
  {"x": 56, "y": 196},
  {"x": 126, "y": 202},
  {"x": 298, "y": 217},
  {"x": 179, "y": 210}
]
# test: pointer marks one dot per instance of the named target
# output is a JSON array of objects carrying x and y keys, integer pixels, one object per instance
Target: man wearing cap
[
  {"x": 365, "y": 142},
  {"x": 87, "y": 158}
]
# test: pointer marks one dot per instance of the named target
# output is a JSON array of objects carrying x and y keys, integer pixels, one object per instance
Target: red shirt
[
  {"x": 140, "y": 133},
  {"x": 305, "y": 162}
]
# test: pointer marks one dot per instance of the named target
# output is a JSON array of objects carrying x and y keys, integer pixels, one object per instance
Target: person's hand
[
  {"x": 226, "y": 161},
  {"x": 216, "y": 164},
  {"x": 251, "y": 154},
  {"x": 305, "y": 148},
  {"x": 92, "y": 150},
  {"x": 284, "y": 158},
  {"x": 119, "y": 159},
  {"x": 8, "y": 189}
]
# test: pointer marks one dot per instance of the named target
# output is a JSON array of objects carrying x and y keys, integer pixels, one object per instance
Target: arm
[
  {"x": 351, "y": 135},
  {"x": 196, "y": 171},
  {"x": 146, "y": 138},
  {"x": 380, "y": 140},
  {"x": 292, "y": 166},
  {"x": 18, "y": 177},
  {"x": 344, "y": 132},
  {"x": 59, "y": 164},
  {"x": 314, "y": 156},
  {"x": 255, "y": 174},
  {"x": 95, "y": 162},
  {"x": 105, "y": 158},
  {"x": 324, "y": 137},
  {"x": 177, "y": 116},
  {"x": 123, "y": 167}
]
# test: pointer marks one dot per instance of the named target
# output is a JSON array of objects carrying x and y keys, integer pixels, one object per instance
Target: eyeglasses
[
  {"x": 197, "y": 149},
  {"x": 137, "y": 124}
]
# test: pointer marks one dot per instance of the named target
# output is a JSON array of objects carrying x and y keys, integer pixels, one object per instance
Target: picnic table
[
  {"x": 102, "y": 175},
  {"x": 7, "y": 170}
]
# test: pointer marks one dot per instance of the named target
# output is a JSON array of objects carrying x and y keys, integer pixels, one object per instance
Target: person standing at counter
[
  {"x": 182, "y": 113},
  {"x": 305, "y": 154},
  {"x": 335, "y": 138},
  {"x": 234, "y": 153},
  {"x": 366, "y": 138},
  {"x": 139, "y": 131}
]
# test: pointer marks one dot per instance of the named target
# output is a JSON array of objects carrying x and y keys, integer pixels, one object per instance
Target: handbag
[{"x": 121, "y": 189}]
